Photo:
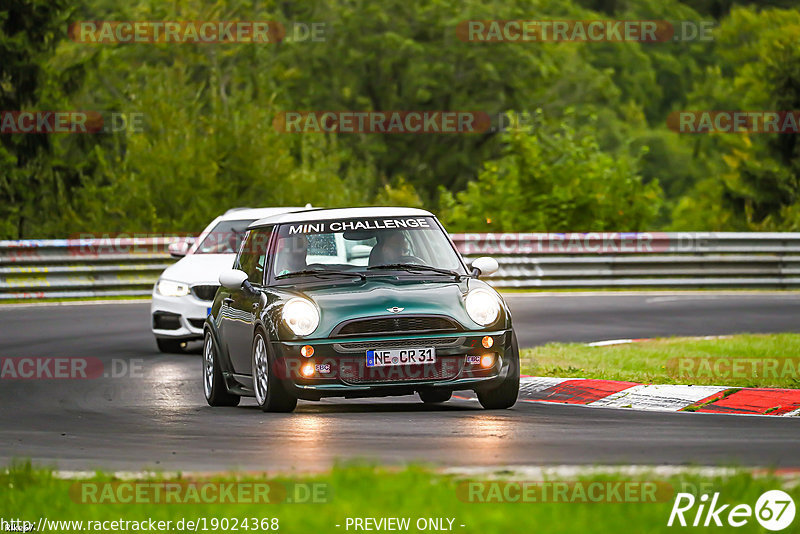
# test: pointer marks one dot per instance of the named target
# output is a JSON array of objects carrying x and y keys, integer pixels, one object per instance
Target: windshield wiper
[
  {"x": 320, "y": 273},
  {"x": 415, "y": 267}
]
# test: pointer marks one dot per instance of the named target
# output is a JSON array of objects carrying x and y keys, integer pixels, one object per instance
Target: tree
[
  {"x": 757, "y": 178},
  {"x": 553, "y": 179},
  {"x": 29, "y": 33}
]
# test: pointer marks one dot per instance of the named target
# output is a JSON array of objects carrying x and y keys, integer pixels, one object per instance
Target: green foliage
[
  {"x": 552, "y": 179},
  {"x": 754, "y": 182},
  {"x": 599, "y": 158},
  {"x": 29, "y": 31}
]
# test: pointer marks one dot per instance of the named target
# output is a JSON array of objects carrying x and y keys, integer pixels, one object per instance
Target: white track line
[
  {"x": 609, "y": 342},
  {"x": 571, "y": 472},
  {"x": 132, "y": 300}
]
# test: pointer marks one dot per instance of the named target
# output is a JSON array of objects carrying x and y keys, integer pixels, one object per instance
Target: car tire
[
  {"x": 170, "y": 346},
  {"x": 216, "y": 392},
  {"x": 271, "y": 395},
  {"x": 504, "y": 395},
  {"x": 434, "y": 396}
]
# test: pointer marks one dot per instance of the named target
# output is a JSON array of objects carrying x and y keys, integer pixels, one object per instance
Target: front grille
[
  {"x": 377, "y": 326},
  {"x": 358, "y": 346},
  {"x": 445, "y": 368},
  {"x": 206, "y": 292}
]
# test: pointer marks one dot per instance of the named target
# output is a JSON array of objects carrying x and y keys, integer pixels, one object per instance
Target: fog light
[
  {"x": 307, "y": 370},
  {"x": 487, "y": 360},
  {"x": 307, "y": 351},
  {"x": 487, "y": 342}
]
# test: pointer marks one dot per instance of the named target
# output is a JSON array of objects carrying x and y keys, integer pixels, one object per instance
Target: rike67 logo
[{"x": 774, "y": 510}]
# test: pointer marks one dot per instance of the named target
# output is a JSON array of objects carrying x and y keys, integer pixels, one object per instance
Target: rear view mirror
[
  {"x": 232, "y": 279},
  {"x": 360, "y": 251},
  {"x": 485, "y": 266}
]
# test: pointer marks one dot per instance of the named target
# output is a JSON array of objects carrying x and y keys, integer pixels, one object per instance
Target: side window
[{"x": 253, "y": 254}]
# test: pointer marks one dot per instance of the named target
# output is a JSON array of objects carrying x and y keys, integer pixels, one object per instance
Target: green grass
[
  {"x": 659, "y": 361},
  {"x": 414, "y": 492}
]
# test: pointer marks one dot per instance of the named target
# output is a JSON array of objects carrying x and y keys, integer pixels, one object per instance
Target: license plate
[{"x": 388, "y": 357}]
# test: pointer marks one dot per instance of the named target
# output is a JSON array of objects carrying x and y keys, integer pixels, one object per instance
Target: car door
[{"x": 243, "y": 305}]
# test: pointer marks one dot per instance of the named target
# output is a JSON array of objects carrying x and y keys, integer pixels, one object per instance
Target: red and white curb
[{"x": 664, "y": 398}]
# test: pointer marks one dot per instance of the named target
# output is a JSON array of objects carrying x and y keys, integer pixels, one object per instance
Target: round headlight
[
  {"x": 301, "y": 316},
  {"x": 168, "y": 288},
  {"x": 483, "y": 307}
]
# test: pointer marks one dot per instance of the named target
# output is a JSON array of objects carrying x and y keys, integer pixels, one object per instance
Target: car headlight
[
  {"x": 301, "y": 316},
  {"x": 483, "y": 306},
  {"x": 168, "y": 288}
]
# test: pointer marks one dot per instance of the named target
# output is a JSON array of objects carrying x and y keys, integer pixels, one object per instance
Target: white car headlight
[
  {"x": 483, "y": 307},
  {"x": 168, "y": 288},
  {"x": 301, "y": 316}
]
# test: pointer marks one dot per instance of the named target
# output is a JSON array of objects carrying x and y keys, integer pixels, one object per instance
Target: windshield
[
  {"x": 224, "y": 238},
  {"x": 356, "y": 245}
]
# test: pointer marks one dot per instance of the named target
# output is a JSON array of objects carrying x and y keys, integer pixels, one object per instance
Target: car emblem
[{"x": 395, "y": 309}]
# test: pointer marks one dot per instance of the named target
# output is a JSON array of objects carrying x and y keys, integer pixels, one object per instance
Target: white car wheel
[
  {"x": 208, "y": 367},
  {"x": 260, "y": 371}
]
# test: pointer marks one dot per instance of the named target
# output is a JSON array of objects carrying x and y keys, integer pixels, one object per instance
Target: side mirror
[
  {"x": 179, "y": 248},
  {"x": 484, "y": 266},
  {"x": 233, "y": 279}
]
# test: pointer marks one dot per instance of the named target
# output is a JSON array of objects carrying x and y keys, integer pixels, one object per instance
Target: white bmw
[{"x": 183, "y": 294}]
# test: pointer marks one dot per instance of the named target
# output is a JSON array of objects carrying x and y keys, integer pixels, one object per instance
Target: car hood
[
  {"x": 375, "y": 297},
  {"x": 199, "y": 268}
]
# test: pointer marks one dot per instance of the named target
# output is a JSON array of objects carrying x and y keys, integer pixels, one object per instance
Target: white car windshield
[
  {"x": 361, "y": 245},
  {"x": 224, "y": 238}
]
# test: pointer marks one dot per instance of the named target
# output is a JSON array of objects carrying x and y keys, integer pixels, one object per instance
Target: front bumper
[
  {"x": 340, "y": 365},
  {"x": 178, "y": 317}
]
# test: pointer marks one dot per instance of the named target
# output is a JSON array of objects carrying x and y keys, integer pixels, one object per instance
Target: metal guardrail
[
  {"x": 679, "y": 260},
  {"x": 65, "y": 268},
  {"x": 68, "y": 268}
]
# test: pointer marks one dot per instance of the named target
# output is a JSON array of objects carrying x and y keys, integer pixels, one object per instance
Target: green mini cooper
[{"x": 358, "y": 302}]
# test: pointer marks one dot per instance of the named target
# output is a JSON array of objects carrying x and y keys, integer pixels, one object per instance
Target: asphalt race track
[{"x": 158, "y": 418}]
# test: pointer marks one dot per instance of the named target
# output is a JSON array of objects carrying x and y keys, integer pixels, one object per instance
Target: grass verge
[
  {"x": 361, "y": 491},
  {"x": 748, "y": 360}
]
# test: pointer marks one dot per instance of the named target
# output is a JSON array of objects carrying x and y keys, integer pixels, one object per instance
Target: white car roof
[
  {"x": 241, "y": 214},
  {"x": 340, "y": 213},
  {"x": 238, "y": 214}
]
